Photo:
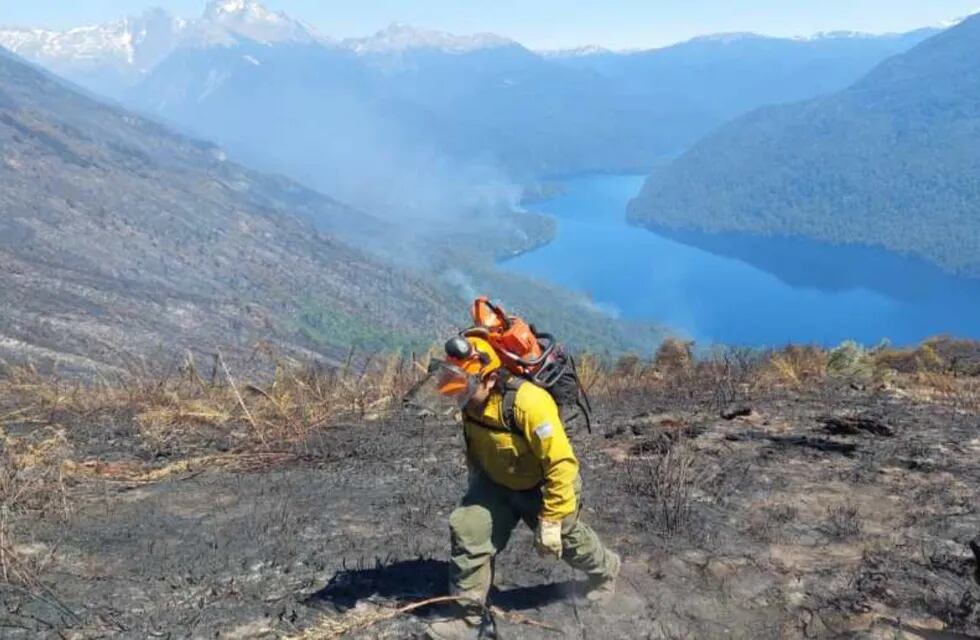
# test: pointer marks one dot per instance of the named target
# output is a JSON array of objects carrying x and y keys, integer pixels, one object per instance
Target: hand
[{"x": 547, "y": 538}]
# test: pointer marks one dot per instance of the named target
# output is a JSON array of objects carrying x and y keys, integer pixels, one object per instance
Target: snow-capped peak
[
  {"x": 401, "y": 37},
  {"x": 219, "y": 7},
  {"x": 136, "y": 41},
  {"x": 133, "y": 45},
  {"x": 251, "y": 20}
]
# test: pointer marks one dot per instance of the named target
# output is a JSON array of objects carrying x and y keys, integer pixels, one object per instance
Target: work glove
[{"x": 547, "y": 538}]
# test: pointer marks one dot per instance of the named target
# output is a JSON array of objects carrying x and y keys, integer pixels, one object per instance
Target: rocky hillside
[
  {"x": 118, "y": 237},
  {"x": 892, "y": 161}
]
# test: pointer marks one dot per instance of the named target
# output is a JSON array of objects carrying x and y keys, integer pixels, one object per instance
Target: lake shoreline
[{"x": 740, "y": 289}]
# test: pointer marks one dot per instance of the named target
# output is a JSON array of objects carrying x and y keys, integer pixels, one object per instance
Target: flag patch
[{"x": 543, "y": 431}]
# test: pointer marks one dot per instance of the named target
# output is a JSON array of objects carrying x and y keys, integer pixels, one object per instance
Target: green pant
[{"x": 481, "y": 526}]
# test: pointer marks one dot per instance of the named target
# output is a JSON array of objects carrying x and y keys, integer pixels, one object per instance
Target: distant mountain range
[
  {"x": 893, "y": 161},
  {"x": 246, "y": 77}
]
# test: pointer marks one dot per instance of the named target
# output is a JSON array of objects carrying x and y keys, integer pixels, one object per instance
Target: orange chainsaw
[{"x": 523, "y": 350}]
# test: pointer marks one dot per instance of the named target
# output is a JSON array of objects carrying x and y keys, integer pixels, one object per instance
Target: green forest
[{"x": 893, "y": 161}]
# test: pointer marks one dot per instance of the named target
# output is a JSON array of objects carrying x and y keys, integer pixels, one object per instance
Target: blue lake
[{"x": 739, "y": 289}]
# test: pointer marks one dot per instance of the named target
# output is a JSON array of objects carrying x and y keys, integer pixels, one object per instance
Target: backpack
[{"x": 531, "y": 356}]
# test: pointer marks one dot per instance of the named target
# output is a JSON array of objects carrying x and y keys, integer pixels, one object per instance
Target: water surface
[{"x": 740, "y": 289}]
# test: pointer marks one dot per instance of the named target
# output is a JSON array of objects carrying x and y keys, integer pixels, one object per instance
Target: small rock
[
  {"x": 852, "y": 426},
  {"x": 736, "y": 411}
]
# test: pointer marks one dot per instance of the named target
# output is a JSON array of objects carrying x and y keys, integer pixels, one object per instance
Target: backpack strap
[
  {"x": 582, "y": 397},
  {"x": 510, "y": 385}
]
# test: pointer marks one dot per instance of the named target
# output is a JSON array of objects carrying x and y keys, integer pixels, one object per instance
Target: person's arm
[{"x": 538, "y": 417}]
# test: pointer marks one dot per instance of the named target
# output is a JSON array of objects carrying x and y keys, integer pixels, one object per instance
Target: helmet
[{"x": 469, "y": 361}]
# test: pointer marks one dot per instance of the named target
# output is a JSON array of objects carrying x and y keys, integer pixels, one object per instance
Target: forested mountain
[
  {"x": 893, "y": 160},
  {"x": 118, "y": 237}
]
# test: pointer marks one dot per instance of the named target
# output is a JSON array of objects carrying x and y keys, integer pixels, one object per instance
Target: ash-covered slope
[
  {"x": 892, "y": 161},
  {"x": 118, "y": 237}
]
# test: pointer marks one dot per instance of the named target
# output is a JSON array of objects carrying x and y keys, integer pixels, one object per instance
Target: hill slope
[
  {"x": 117, "y": 236},
  {"x": 893, "y": 161}
]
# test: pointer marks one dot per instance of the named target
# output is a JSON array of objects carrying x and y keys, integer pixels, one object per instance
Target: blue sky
[{"x": 545, "y": 23}]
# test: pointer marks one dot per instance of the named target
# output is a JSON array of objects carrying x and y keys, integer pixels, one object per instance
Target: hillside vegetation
[
  {"x": 892, "y": 161},
  {"x": 118, "y": 237}
]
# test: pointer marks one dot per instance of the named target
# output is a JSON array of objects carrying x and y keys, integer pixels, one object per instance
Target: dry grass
[
  {"x": 793, "y": 366},
  {"x": 175, "y": 413},
  {"x": 920, "y": 359},
  {"x": 31, "y": 472},
  {"x": 939, "y": 370},
  {"x": 674, "y": 356},
  {"x": 284, "y": 405}
]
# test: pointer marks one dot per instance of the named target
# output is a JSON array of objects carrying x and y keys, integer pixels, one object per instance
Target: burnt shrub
[
  {"x": 766, "y": 522},
  {"x": 843, "y": 522},
  {"x": 668, "y": 484}
]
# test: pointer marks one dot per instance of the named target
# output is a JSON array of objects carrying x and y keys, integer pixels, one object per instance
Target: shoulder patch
[{"x": 543, "y": 431}]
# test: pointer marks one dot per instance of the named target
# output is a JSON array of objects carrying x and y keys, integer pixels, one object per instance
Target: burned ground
[{"x": 816, "y": 510}]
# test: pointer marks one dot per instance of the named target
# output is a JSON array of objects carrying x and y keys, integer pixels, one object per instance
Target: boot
[
  {"x": 600, "y": 590},
  {"x": 461, "y": 623}
]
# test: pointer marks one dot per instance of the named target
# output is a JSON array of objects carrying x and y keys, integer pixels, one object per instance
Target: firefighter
[{"x": 522, "y": 468}]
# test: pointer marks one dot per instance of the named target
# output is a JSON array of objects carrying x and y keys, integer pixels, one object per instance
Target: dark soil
[{"x": 765, "y": 525}]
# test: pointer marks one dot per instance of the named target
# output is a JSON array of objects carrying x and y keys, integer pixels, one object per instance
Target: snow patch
[
  {"x": 578, "y": 52},
  {"x": 400, "y": 37},
  {"x": 946, "y": 24}
]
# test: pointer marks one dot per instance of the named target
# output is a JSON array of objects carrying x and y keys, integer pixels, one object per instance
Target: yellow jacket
[{"x": 541, "y": 455}]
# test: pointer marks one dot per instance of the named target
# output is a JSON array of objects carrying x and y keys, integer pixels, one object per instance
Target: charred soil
[{"x": 814, "y": 509}]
